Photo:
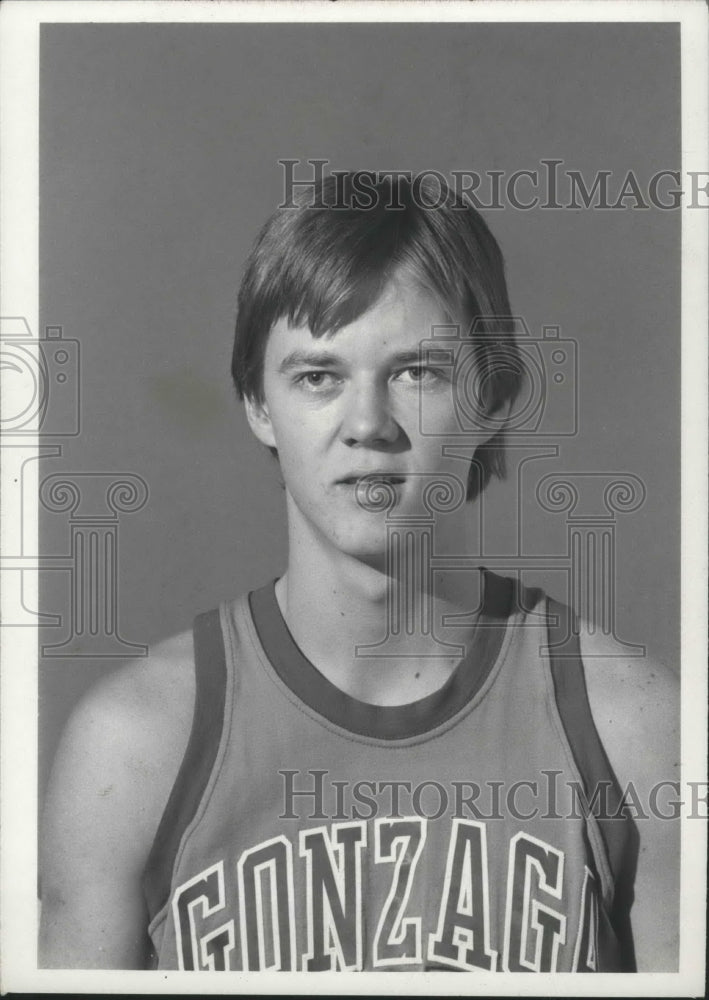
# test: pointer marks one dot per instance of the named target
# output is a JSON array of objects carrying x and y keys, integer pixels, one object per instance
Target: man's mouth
[{"x": 393, "y": 478}]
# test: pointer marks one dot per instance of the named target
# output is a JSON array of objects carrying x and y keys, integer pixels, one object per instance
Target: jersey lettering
[
  {"x": 216, "y": 946},
  {"x": 463, "y": 936},
  {"x": 533, "y": 929},
  {"x": 334, "y": 896},
  {"x": 327, "y": 901},
  {"x": 201, "y": 897},
  {"x": 267, "y": 920},
  {"x": 398, "y": 939}
]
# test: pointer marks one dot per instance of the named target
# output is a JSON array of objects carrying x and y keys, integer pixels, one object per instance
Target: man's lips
[{"x": 372, "y": 477}]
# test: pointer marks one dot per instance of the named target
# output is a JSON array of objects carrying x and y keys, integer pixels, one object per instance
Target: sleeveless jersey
[{"x": 480, "y": 827}]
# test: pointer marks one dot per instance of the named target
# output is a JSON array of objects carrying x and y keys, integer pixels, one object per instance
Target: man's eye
[
  {"x": 316, "y": 380},
  {"x": 420, "y": 374}
]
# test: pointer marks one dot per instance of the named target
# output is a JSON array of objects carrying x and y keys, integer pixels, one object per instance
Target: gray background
[{"x": 159, "y": 149}]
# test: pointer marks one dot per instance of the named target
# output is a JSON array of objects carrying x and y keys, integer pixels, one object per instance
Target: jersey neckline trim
[{"x": 387, "y": 722}]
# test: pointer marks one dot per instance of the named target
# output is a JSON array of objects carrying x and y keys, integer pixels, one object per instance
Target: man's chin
[
  {"x": 375, "y": 560},
  {"x": 368, "y": 546}
]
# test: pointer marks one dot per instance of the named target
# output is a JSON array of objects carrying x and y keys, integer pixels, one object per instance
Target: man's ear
[{"x": 260, "y": 421}]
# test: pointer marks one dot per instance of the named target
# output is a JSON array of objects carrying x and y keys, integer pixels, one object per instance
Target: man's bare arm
[
  {"x": 110, "y": 782},
  {"x": 635, "y": 705}
]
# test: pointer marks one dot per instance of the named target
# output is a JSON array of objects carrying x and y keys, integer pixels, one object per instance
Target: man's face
[{"x": 343, "y": 406}]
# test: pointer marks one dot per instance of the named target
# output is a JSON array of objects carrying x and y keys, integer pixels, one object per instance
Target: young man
[{"x": 370, "y": 764}]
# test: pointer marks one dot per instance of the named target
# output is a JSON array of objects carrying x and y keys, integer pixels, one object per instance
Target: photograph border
[{"x": 20, "y": 22}]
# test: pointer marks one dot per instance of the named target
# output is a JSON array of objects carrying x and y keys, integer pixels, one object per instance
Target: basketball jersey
[{"x": 308, "y": 830}]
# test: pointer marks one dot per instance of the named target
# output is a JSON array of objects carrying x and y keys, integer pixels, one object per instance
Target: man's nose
[{"x": 368, "y": 419}]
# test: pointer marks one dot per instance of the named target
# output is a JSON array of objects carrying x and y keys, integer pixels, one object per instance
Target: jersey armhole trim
[
  {"x": 618, "y": 831},
  {"x": 197, "y": 763}
]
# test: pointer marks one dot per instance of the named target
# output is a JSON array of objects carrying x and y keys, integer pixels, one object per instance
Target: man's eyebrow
[
  {"x": 322, "y": 359},
  {"x": 413, "y": 356},
  {"x": 313, "y": 359}
]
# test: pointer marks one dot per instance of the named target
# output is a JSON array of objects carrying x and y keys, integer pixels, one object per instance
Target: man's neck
[{"x": 376, "y": 636}]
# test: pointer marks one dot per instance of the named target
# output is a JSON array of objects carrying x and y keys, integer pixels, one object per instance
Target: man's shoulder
[
  {"x": 635, "y": 705},
  {"x": 618, "y": 681},
  {"x": 130, "y": 730},
  {"x": 157, "y": 689},
  {"x": 112, "y": 775}
]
